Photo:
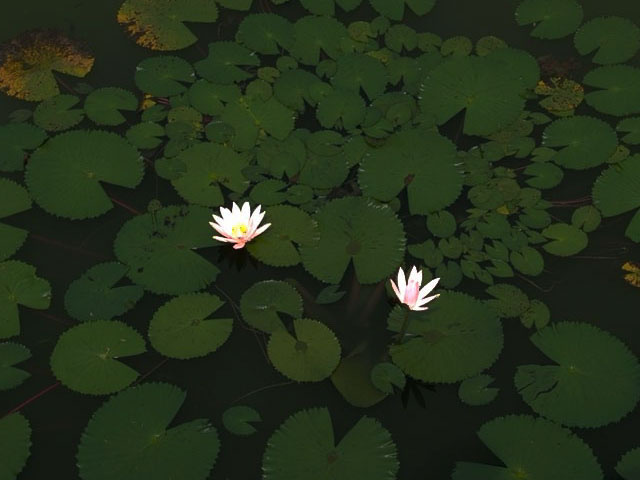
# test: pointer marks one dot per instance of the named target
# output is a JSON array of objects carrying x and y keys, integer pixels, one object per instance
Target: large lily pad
[
  {"x": 15, "y": 444},
  {"x": 129, "y": 438},
  {"x": 354, "y": 228},
  {"x": 620, "y": 90},
  {"x": 159, "y": 248},
  {"x": 614, "y": 39},
  {"x": 65, "y": 175},
  {"x": 596, "y": 379},
  {"x": 304, "y": 447}
]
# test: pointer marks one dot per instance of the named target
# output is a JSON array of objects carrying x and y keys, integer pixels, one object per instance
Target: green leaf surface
[
  {"x": 614, "y": 39},
  {"x": 57, "y": 113},
  {"x": 11, "y": 354},
  {"x": 103, "y": 105},
  {"x": 262, "y": 303},
  {"x": 475, "y": 391},
  {"x": 619, "y": 92},
  {"x": 550, "y": 18},
  {"x": 238, "y": 419},
  {"x": 15, "y": 199},
  {"x": 266, "y": 33},
  {"x": 15, "y": 444},
  {"x": 164, "y": 75},
  {"x": 16, "y": 140},
  {"x": 565, "y": 239}
]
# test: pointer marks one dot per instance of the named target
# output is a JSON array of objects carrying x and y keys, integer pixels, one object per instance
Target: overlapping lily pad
[
  {"x": 159, "y": 248},
  {"x": 314, "y": 35},
  {"x": 64, "y": 176},
  {"x": 456, "y": 326},
  {"x": 304, "y": 447},
  {"x": 95, "y": 296},
  {"x": 531, "y": 448},
  {"x": 129, "y": 438},
  {"x": 159, "y": 24},
  {"x": 15, "y": 199},
  {"x": 164, "y": 75},
  {"x": 16, "y": 139},
  {"x": 19, "y": 285},
  {"x": 354, "y": 228},
  {"x": 629, "y": 465},
  {"x": 181, "y": 328},
  {"x": 266, "y": 33},
  {"x": 84, "y": 359},
  {"x": 581, "y": 389}
]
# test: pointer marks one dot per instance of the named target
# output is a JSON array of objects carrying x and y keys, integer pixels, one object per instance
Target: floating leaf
[
  {"x": 181, "y": 328},
  {"x": 424, "y": 163},
  {"x": 311, "y": 356},
  {"x": 290, "y": 226},
  {"x": 11, "y": 354},
  {"x": 329, "y": 294},
  {"x": 587, "y": 141},
  {"x": 441, "y": 224},
  {"x": 164, "y": 75},
  {"x": 80, "y": 161},
  {"x": 237, "y": 420},
  {"x": 20, "y": 285},
  {"x": 15, "y": 140},
  {"x": 94, "y": 295},
  {"x": 614, "y": 39},
  {"x": 56, "y": 113},
  {"x": 596, "y": 379},
  {"x": 527, "y": 260},
  {"x": 456, "y": 46},
  {"x": 531, "y": 448},
  {"x": 327, "y": 7},
  {"x": 293, "y": 88},
  {"x": 354, "y": 228},
  {"x": 509, "y": 301},
  {"x": 550, "y": 18},
  {"x": 261, "y": 303},
  {"x": 129, "y": 438},
  {"x": 630, "y": 126},
  {"x": 224, "y": 61},
  {"x": 342, "y": 109},
  {"x": 266, "y": 33},
  {"x": 356, "y": 71},
  {"x": 629, "y": 465},
  {"x": 537, "y": 315},
  {"x": 563, "y": 95},
  {"x": 304, "y": 447},
  {"x": 84, "y": 359},
  {"x": 15, "y": 444},
  {"x": 394, "y": 9},
  {"x": 15, "y": 199},
  {"x": 476, "y": 391},
  {"x": 566, "y": 239},
  {"x": 385, "y": 376},
  {"x": 620, "y": 94},
  {"x": 315, "y": 34},
  {"x": 210, "y": 98},
  {"x": 158, "y": 24},
  {"x": 208, "y": 167},
  {"x": 633, "y": 277},
  {"x": 103, "y": 105},
  {"x": 352, "y": 378},
  {"x": 159, "y": 248},
  {"x": 29, "y": 60},
  {"x": 145, "y": 135},
  {"x": 586, "y": 218},
  {"x": 456, "y": 326},
  {"x": 543, "y": 175}
]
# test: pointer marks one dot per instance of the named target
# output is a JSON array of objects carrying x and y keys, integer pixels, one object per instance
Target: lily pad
[
  {"x": 266, "y": 33},
  {"x": 56, "y": 114},
  {"x": 94, "y": 295},
  {"x": 550, "y": 18},
  {"x": 356, "y": 71},
  {"x": 630, "y": 126},
  {"x": 261, "y": 303},
  {"x": 315, "y": 34},
  {"x": 164, "y": 75},
  {"x": 587, "y": 142},
  {"x": 304, "y": 447},
  {"x": 16, "y": 139},
  {"x": 475, "y": 391},
  {"x": 15, "y": 442},
  {"x": 353, "y": 228},
  {"x": 80, "y": 161},
  {"x": 619, "y": 94},
  {"x": 456, "y": 338},
  {"x": 385, "y": 376},
  {"x": 84, "y": 359},
  {"x": 160, "y": 249},
  {"x": 11, "y": 354},
  {"x": 20, "y": 285},
  {"x": 394, "y": 9},
  {"x": 129, "y": 438},
  {"x": 566, "y": 239},
  {"x": 581, "y": 389},
  {"x": 629, "y": 465},
  {"x": 29, "y": 60},
  {"x": 290, "y": 226},
  {"x": 223, "y": 64},
  {"x": 309, "y": 356},
  {"x": 614, "y": 39},
  {"x": 531, "y": 448},
  {"x": 238, "y": 419},
  {"x": 159, "y": 24},
  {"x": 103, "y": 105},
  {"x": 15, "y": 199}
]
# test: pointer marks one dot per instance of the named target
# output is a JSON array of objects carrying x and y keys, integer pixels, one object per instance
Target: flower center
[{"x": 238, "y": 230}]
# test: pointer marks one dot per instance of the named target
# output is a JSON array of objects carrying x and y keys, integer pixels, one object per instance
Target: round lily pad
[
  {"x": 304, "y": 447},
  {"x": 103, "y": 105},
  {"x": 614, "y": 39},
  {"x": 238, "y": 419},
  {"x": 581, "y": 389},
  {"x": 15, "y": 442},
  {"x": 620, "y": 92},
  {"x": 164, "y": 75},
  {"x": 65, "y": 175},
  {"x": 129, "y": 438},
  {"x": 353, "y": 228},
  {"x": 531, "y": 448},
  {"x": 290, "y": 226},
  {"x": 145, "y": 135},
  {"x": 15, "y": 199},
  {"x": 57, "y": 113},
  {"x": 19, "y": 285},
  {"x": 11, "y": 354},
  {"x": 84, "y": 359},
  {"x": 550, "y": 18},
  {"x": 315, "y": 34},
  {"x": 16, "y": 139},
  {"x": 261, "y": 303},
  {"x": 629, "y": 465},
  {"x": 159, "y": 24},
  {"x": 224, "y": 63},
  {"x": 455, "y": 326},
  {"x": 265, "y": 33},
  {"x": 385, "y": 376},
  {"x": 476, "y": 391},
  {"x": 566, "y": 239},
  {"x": 94, "y": 295},
  {"x": 181, "y": 328},
  {"x": 309, "y": 356},
  {"x": 160, "y": 249}
]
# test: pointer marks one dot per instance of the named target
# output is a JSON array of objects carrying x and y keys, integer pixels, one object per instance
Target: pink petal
[
  {"x": 411, "y": 293},
  {"x": 224, "y": 239},
  {"x": 239, "y": 245},
  {"x": 219, "y": 229},
  {"x": 428, "y": 287},
  {"x": 395, "y": 289}
]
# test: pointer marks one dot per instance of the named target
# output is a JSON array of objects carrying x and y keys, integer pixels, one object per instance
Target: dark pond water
[{"x": 587, "y": 288}]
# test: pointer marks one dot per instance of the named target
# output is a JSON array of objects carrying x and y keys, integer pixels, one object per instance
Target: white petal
[
  {"x": 428, "y": 287},
  {"x": 261, "y": 229},
  {"x": 235, "y": 210},
  {"x": 402, "y": 283},
  {"x": 424, "y": 301},
  {"x": 395, "y": 289},
  {"x": 245, "y": 213},
  {"x": 224, "y": 239}
]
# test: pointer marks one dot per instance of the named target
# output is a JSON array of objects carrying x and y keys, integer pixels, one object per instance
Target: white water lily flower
[
  {"x": 238, "y": 225},
  {"x": 410, "y": 292}
]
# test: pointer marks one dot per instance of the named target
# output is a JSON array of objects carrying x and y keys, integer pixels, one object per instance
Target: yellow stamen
[{"x": 239, "y": 230}]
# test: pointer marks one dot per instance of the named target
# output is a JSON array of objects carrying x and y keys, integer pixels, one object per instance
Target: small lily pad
[
  {"x": 15, "y": 199},
  {"x": 103, "y": 105},
  {"x": 476, "y": 391},
  {"x": 550, "y": 18},
  {"x": 261, "y": 303},
  {"x": 11, "y": 354},
  {"x": 385, "y": 376},
  {"x": 566, "y": 239},
  {"x": 238, "y": 419}
]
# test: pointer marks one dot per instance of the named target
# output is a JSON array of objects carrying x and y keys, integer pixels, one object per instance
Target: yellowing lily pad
[{"x": 633, "y": 277}]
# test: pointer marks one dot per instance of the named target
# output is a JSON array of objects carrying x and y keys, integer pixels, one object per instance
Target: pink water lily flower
[
  {"x": 410, "y": 292},
  {"x": 238, "y": 225}
]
